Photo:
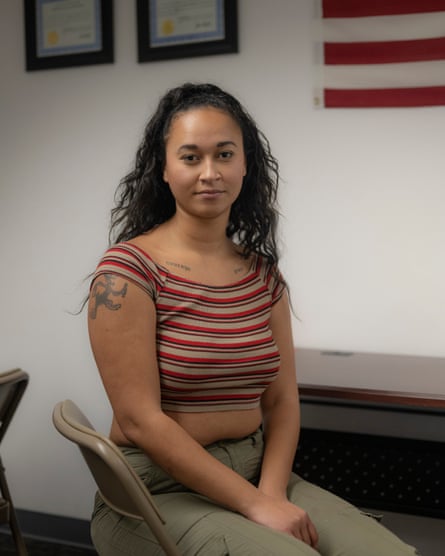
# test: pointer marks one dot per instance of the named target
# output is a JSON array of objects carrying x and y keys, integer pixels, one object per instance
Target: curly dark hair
[{"x": 143, "y": 201}]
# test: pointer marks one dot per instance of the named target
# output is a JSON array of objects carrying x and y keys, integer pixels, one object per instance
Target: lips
[{"x": 210, "y": 192}]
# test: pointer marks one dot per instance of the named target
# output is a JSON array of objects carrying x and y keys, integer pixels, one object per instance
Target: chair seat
[{"x": 4, "y": 511}]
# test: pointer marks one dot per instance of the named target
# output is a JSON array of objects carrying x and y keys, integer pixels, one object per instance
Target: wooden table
[
  {"x": 382, "y": 470},
  {"x": 367, "y": 398},
  {"x": 372, "y": 380}
]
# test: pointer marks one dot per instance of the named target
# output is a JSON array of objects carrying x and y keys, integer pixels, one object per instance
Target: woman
[{"x": 190, "y": 327}]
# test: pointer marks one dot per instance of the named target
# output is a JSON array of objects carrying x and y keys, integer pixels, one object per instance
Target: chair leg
[
  {"x": 13, "y": 522},
  {"x": 17, "y": 534}
]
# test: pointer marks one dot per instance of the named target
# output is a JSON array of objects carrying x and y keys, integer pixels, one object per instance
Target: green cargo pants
[{"x": 200, "y": 527}]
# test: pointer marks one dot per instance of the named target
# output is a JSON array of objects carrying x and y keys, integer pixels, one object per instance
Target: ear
[{"x": 165, "y": 176}]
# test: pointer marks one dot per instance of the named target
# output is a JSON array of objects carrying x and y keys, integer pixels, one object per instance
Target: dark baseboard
[{"x": 54, "y": 528}]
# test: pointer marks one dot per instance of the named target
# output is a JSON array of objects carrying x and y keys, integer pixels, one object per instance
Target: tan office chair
[
  {"x": 118, "y": 484},
  {"x": 12, "y": 387}
]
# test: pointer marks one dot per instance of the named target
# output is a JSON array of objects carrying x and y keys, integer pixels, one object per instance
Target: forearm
[
  {"x": 281, "y": 432},
  {"x": 175, "y": 451},
  {"x": 189, "y": 463}
]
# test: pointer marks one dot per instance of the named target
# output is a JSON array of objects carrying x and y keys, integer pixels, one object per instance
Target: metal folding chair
[
  {"x": 118, "y": 483},
  {"x": 12, "y": 387}
]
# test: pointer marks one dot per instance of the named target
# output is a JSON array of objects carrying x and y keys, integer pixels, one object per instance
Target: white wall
[{"x": 363, "y": 198}]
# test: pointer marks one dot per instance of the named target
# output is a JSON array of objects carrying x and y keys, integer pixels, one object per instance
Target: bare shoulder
[{"x": 152, "y": 242}]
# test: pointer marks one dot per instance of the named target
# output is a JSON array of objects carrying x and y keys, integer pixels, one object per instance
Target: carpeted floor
[{"x": 41, "y": 548}]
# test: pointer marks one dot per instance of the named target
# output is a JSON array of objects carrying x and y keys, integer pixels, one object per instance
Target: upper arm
[
  {"x": 122, "y": 329},
  {"x": 285, "y": 385}
]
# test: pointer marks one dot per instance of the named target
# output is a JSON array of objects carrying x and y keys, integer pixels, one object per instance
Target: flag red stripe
[
  {"x": 364, "y": 8},
  {"x": 384, "y": 98},
  {"x": 384, "y": 52}
]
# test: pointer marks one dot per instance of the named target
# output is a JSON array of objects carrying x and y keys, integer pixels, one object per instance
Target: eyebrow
[{"x": 192, "y": 147}]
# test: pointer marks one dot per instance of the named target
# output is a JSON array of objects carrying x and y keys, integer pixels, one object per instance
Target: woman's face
[{"x": 204, "y": 162}]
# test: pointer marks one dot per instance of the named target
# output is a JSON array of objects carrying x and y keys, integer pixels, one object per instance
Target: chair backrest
[
  {"x": 12, "y": 387},
  {"x": 118, "y": 483}
]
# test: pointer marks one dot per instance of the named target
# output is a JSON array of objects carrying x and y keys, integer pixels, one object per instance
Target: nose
[{"x": 209, "y": 170}]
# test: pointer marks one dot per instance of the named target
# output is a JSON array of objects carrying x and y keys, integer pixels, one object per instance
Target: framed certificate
[
  {"x": 184, "y": 28},
  {"x": 63, "y": 33}
]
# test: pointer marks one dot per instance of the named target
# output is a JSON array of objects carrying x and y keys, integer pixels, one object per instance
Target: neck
[{"x": 201, "y": 235}]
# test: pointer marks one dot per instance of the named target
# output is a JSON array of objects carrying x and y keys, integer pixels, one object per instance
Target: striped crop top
[{"x": 214, "y": 345}]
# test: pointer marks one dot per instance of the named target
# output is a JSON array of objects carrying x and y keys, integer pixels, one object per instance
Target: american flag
[{"x": 381, "y": 53}]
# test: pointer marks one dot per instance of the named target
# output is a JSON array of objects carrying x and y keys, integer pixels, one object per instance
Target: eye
[
  {"x": 226, "y": 154},
  {"x": 189, "y": 158}
]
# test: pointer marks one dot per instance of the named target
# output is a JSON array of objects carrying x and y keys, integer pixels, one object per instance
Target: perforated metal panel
[{"x": 401, "y": 475}]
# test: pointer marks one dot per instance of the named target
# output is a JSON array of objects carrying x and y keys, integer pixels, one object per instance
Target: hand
[{"x": 282, "y": 515}]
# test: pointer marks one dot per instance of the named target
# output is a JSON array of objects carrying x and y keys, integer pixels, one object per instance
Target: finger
[
  {"x": 303, "y": 535},
  {"x": 312, "y": 534}
]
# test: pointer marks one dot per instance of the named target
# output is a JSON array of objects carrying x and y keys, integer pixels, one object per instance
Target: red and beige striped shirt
[{"x": 215, "y": 349}]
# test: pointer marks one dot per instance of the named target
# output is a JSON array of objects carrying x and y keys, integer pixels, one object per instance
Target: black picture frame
[
  {"x": 40, "y": 56},
  {"x": 185, "y": 47}
]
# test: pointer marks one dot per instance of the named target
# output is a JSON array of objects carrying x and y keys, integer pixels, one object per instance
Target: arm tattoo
[{"x": 101, "y": 293}]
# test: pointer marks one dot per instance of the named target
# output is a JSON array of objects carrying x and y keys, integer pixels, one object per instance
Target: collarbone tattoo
[
  {"x": 179, "y": 265},
  {"x": 187, "y": 268}
]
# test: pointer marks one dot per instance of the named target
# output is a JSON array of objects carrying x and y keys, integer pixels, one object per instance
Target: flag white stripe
[
  {"x": 384, "y": 28},
  {"x": 380, "y": 76}
]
